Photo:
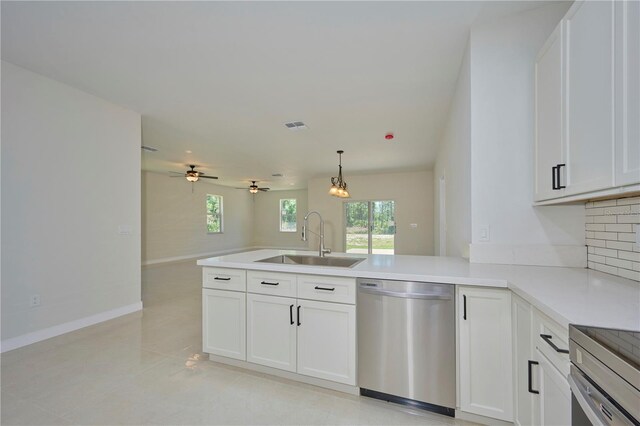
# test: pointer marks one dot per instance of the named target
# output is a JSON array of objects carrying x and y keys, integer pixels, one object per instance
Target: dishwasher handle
[{"x": 406, "y": 295}]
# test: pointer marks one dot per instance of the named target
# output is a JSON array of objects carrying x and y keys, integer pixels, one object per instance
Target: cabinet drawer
[
  {"x": 552, "y": 340},
  {"x": 330, "y": 289},
  {"x": 224, "y": 279},
  {"x": 273, "y": 283}
]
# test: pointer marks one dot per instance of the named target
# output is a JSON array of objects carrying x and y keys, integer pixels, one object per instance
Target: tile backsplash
[{"x": 611, "y": 227}]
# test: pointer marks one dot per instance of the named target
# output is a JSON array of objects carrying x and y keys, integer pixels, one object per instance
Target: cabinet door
[
  {"x": 627, "y": 78},
  {"x": 271, "y": 331},
  {"x": 522, "y": 355},
  {"x": 327, "y": 341},
  {"x": 485, "y": 352},
  {"x": 589, "y": 96},
  {"x": 223, "y": 323},
  {"x": 549, "y": 148},
  {"x": 553, "y": 407}
]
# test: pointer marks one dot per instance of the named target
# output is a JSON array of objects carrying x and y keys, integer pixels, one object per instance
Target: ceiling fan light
[
  {"x": 253, "y": 190},
  {"x": 192, "y": 178}
]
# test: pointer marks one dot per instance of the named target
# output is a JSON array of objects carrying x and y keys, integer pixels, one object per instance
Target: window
[
  {"x": 214, "y": 214},
  {"x": 288, "y": 212},
  {"x": 370, "y": 227}
]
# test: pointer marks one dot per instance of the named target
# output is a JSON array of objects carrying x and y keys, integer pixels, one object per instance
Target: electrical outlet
[
  {"x": 485, "y": 234},
  {"x": 34, "y": 301}
]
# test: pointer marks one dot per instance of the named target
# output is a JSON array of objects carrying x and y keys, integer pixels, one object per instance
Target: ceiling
[{"x": 220, "y": 79}]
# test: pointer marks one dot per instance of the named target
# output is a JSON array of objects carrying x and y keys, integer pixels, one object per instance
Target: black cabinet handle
[
  {"x": 464, "y": 307},
  {"x": 530, "y": 386},
  {"x": 299, "y": 323},
  {"x": 291, "y": 314},
  {"x": 554, "y": 184},
  {"x": 547, "y": 338},
  {"x": 268, "y": 283},
  {"x": 324, "y": 288},
  {"x": 559, "y": 185},
  {"x": 222, "y": 279}
]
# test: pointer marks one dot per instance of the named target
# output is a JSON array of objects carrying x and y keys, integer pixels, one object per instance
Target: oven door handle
[{"x": 594, "y": 405}]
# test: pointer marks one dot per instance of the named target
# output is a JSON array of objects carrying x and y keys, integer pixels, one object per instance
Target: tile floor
[{"x": 148, "y": 368}]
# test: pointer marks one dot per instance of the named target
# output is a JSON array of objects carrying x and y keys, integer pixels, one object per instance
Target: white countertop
[{"x": 567, "y": 295}]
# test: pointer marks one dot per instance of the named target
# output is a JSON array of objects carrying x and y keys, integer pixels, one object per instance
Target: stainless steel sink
[{"x": 292, "y": 259}]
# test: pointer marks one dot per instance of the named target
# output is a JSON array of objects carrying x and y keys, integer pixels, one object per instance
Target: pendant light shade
[{"x": 338, "y": 185}]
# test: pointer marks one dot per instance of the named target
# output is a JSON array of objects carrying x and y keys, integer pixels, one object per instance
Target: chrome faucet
[{"x": 322, "y": 250}]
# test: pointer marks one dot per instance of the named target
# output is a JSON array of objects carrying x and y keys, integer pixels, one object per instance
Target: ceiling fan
[
  {"x": 193, "y": 175},
  {"x": 253, "y": 188}
]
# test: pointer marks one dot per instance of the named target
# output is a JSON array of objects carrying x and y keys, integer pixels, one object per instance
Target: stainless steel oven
[{"x": 605, "y": 376}]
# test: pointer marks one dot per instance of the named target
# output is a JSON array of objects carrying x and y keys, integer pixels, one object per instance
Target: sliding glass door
[{"x": 370, "y": 227}]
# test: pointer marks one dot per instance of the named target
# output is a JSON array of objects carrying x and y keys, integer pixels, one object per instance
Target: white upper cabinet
[
  {"x": 589, "y": 96},
  {"x": 627, "y": 76},
  {"x": 587, "y": 141},
  {"x": 549, "y": 149}
]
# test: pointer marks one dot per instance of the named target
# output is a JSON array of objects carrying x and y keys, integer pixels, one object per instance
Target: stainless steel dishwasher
[{"x": 406, "y": 343}]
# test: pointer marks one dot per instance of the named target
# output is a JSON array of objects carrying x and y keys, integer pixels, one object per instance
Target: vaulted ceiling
[{"x": 220, "y": 79}]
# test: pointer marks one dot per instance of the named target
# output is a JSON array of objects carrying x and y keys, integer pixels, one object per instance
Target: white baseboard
[
  {"x": 57, "y": 330},
  {"x": 533, "y": 254}
]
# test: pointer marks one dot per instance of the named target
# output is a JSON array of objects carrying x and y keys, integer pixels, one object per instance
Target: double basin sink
[{"x": 293, "y": 259}]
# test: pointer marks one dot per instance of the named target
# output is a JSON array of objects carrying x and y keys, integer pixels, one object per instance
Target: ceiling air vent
[
  {"x": 295, "y": 125},
  {"x": 149, "y": 148}
]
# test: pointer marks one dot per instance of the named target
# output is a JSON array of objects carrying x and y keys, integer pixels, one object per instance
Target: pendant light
[{"x": 339, "y": 186}]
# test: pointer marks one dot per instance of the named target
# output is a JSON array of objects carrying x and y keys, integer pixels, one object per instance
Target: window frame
[
  {"x": 369, "y": 203},
  {"x": 280, "y": 216},
  {"x": 221, "y": 203}
]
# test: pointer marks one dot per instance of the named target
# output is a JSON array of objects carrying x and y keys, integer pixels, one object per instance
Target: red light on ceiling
[{"x": 389, "y": 136}]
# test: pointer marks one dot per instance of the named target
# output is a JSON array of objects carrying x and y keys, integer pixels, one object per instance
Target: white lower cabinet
[
  {"x": 485, "y": 352},
  {"x": 327, "y": 341},
  {"x": 269, "y": 326},
  {"x": 553, "y": 405},
  {"x": 542, "y": 394},
  {"x": 523, "y": 361},
  {"x": 223, "y": 323},
  {"x": 271, "y": 331},
  {"x": 317, "y": 339}
]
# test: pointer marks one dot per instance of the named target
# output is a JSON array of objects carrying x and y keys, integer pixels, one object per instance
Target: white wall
[
  {"x": 454, "y": 164},
  {"x": 174, "y": 218},
  {"x": 412, "y": 192},
  {"x": 266, "y": 219},
  {"x": 70, "y": 178},
  {"x": 502, "y": 121}
]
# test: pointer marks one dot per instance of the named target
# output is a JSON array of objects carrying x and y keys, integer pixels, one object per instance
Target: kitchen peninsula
[{"x": 542, "y": 300}]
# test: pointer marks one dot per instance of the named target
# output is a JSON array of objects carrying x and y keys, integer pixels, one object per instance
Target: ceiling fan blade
[
  {"x": 177, "y": 176},
  {"x": 208, "y": 177},
  {"x": 177, "y": 173},
  {"x": 264, "y": 189}
]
